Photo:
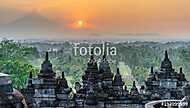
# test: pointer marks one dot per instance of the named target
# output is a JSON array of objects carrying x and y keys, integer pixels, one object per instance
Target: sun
[{"x": 80, "y": 23}]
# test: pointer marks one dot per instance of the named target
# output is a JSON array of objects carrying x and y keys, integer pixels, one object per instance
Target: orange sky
[{"x": 171, "y": 17}]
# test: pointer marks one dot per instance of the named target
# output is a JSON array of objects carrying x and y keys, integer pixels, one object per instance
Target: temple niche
[
  {"x": 47, "y": 91},
  {"x": 185, "y": 102},
  {"x": 10, "y": 97},
  {"x": 103, "y": 88},
  {"x": 165, "y": 83}
]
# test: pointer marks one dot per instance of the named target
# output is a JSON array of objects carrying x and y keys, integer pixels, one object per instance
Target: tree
[{"x": 13, "y": 61}]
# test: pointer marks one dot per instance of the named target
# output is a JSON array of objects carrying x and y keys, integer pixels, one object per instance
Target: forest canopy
[{"x": 135, "y": 59}]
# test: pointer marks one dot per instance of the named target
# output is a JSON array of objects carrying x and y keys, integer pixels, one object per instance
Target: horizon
[{"x": 160, "y": 40}]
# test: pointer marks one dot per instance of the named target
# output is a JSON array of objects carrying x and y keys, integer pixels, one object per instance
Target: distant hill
[
  {"x": 30, "y": 23},
  {"x": 35, "y": 25}
]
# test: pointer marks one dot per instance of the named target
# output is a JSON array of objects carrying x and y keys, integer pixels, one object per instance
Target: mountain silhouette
[
  {"x": 31, "y": 23},
  {"x": 34, "y": 25}
]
